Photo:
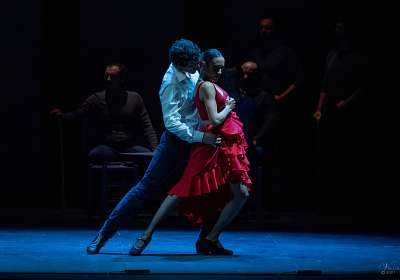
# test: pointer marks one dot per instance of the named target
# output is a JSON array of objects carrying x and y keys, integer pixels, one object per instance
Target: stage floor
[{"x": 62, "y": 251}]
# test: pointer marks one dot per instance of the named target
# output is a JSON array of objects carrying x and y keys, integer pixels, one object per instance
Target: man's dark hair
[
  {"x": 123, "y": 73},
  {"x": 271, "y": 17},
  {"x": 183, "y": 52}
]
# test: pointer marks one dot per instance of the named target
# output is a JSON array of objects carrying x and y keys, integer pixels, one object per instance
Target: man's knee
[
  {"x": 144, "y": 188},
  {"x": 102, "y": 152},
  {"x": 137, "y": 149}
]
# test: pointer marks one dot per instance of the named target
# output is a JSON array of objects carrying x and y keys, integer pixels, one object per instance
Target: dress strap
[{"x": 198, "y": 88}]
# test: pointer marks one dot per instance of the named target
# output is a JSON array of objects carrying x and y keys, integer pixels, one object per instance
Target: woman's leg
[
  {"x": 169, "y": 203},
  {"x": 231, "y": 209}
]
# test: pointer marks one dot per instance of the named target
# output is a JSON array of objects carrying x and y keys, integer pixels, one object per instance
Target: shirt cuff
[{"x": 197, "y": 136}]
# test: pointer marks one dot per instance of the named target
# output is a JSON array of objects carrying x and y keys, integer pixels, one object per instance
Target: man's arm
[
  {"x": 354, "y": 96},
  {"x": 363, "y": 80},
  {"x": 149, "y": 132},
  {"x": 265, "y": 119},
  {"x": 283, "y": 95},
  {"x": 83, "y": 110},
  {"x": 296, "y": 70},
  {"x": 330, "y": 58}
]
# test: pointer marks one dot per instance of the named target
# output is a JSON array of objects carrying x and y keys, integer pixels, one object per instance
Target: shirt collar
[{"x": 180, "y": 76}]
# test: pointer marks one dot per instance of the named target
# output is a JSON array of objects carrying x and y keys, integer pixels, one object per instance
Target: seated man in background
[{"x": 120, "y": 117}]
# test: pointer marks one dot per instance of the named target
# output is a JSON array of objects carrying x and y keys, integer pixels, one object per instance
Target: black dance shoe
[
  {"x": 97, "y": 243},
  {"x": 208, "y": 247},
  {"x": 136, "y": 250}
]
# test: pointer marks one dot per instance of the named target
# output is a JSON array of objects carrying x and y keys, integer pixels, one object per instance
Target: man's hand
[
  {"x": 341, "y": 104},
  {"x": 211, "y": 139},
  {"x": 278, "y": 98},
  {"x": 317, "y": 115},
  {"x": 56, "y": 112}
]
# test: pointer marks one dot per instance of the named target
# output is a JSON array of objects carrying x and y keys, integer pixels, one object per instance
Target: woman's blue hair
[{"x": 209, "y": 54}]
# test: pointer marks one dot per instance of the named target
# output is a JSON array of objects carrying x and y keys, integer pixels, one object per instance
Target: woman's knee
[
  {"x": 240, "y": 191},
  {"x": 174, "y": 197},
  {"x": 244, "y": 194}
]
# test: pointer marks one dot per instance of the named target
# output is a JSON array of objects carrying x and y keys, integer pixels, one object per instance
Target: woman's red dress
[{"x": 210, "y": 168}]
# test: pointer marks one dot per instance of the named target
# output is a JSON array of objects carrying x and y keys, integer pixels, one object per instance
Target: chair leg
[
  {"x": 90, "y": 208},
  {"x": 103, "y": 190}
]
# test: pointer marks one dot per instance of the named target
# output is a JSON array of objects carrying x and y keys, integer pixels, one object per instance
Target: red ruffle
[{"x": 210, "y": 168}]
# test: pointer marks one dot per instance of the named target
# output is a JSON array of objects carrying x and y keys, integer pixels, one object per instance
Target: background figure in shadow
[
  {"x": 281, "y": 77},
  {"x": 253, "y": 108},
  {"x": 117, "y": 116},
  {"x": 340, "y": 117}
]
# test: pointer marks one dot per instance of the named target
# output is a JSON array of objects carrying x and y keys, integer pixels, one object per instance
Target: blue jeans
[{"x": 169, "y": 158}]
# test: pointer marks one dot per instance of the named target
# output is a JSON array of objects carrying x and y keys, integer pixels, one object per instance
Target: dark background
[{"x": 54, "y": 54}]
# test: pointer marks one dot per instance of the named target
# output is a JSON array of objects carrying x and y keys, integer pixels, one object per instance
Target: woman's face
[{"x": 213, "y": 69}]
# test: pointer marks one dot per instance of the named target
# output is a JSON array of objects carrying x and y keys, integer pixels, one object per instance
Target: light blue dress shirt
[{"x": 177, "y": 101}]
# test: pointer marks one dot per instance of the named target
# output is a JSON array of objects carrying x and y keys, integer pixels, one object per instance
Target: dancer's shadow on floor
[
  {"x": 191, "y": 257},
  {"x": 171, "y": 256},
  {"x": 149, "y": 255}
]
